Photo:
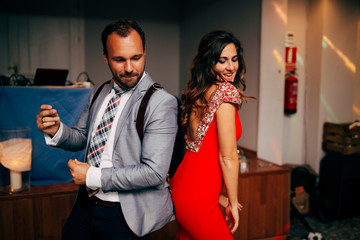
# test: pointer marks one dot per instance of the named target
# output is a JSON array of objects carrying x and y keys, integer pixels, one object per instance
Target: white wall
[
  {"x": 336, "y": 68},
  {"x": 41, "y": 41},
  {"x": 293, "y": 150},
  {"x": 312, "y": 98},
  {"x": 271, "y": 93},
  {"x": 326, "y": 36},
  {"x": 338, "y": 60},
  {"x": 356, "y": 105},
  {"x": 163, "y": 54}
]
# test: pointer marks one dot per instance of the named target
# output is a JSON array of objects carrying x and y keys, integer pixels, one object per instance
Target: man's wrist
[{"x": 93, "y": 177}]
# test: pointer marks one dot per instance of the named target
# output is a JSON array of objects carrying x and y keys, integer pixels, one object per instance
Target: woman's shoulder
[
  {"x": 227, "y": 92},
  {"x": 227, "y": 87}
]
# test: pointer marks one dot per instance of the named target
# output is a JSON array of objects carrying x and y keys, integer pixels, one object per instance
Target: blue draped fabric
[{"x": 19, "y": 107}]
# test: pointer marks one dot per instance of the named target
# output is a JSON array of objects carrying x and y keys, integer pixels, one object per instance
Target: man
[{"x": 123, "y": 192}]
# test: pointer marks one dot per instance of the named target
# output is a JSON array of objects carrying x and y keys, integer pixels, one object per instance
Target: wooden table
[{"x": 37, "y": 214}]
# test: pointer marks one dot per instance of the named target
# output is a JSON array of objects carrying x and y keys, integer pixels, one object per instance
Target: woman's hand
[
  {"x": 231, "y": 214},
  {"x": 232, "y": 217},
  {"x": 224, "y": 201}
]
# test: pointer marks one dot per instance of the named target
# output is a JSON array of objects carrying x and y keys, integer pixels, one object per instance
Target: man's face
[{"x": 126, "y": 58}]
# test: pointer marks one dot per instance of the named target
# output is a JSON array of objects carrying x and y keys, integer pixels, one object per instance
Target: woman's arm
[
  {"x": 224, "y": 202},
  {"x": 225, "y": 118}
]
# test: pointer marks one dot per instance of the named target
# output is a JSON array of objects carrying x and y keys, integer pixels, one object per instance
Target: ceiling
[{"x": 156, "y": 10}]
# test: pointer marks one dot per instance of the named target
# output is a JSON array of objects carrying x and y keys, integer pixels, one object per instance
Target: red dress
[{"x": 197, "y": 183}]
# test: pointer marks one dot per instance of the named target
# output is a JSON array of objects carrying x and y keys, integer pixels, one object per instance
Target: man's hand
[
  {"x": 78, "y": 171},
  {"x": 48, "y": 120}
]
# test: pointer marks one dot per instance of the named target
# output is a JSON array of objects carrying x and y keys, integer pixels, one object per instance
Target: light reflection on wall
[
  {"x": 349, "y": 64},
  {"x": 299, "y": 59},
  {"x": 328, "y": 108},
  {"x": 276, "y": 152},
  {"x": 280, "y": 12},
  {"x": 277, "y": 56},
  {"x": 356, "y": 109}
]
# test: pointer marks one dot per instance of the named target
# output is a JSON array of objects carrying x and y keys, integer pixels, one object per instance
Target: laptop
[{"x": 50, "y": 77}]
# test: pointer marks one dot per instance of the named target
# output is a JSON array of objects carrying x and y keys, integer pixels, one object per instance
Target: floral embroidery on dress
[{"x": 225, "y": 92}]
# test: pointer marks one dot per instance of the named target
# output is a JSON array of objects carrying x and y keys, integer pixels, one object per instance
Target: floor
[{"x": 344, "y": 229}]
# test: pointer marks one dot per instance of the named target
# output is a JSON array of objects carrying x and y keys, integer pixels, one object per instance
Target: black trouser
[{"x": 90, "y": 220}]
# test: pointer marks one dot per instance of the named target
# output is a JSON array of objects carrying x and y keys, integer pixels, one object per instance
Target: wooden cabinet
[
  {"x": 264, "y": 192},
  {"x": 37, "y": 214}
]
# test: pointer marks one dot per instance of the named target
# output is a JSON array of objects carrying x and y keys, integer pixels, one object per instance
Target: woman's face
[{"x": 228, "y": 64}]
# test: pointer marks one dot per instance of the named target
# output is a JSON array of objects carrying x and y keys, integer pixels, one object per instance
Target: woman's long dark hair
[{"x": 203, "y": 74}]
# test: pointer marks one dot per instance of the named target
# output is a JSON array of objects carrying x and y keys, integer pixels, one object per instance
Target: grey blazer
[{"x": 140, "y": 170}]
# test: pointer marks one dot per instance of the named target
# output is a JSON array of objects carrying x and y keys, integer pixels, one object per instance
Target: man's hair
[{"x": 122, "y": 28}]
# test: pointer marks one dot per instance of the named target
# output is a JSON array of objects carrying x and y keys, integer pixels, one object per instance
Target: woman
[{"x": 212, "y": 124}]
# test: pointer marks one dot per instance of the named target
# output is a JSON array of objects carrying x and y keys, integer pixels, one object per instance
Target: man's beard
[{"x": 123, "y": 84}]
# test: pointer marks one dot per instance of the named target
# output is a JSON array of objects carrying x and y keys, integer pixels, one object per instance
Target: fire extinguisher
[{"x": 291, "y": 89}]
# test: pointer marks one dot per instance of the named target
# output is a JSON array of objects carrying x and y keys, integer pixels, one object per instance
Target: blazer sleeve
[{"x": 75, "y": 138}]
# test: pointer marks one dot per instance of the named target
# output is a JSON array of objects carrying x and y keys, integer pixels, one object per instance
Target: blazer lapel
[
  {"x": 95, "y": 109},
  {"x": 136, "y": 96}
]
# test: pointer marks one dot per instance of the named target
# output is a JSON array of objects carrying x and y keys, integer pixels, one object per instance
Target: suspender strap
[
  {"x": 98, "y": 92},
  {"x": 142, "y": 109}
]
